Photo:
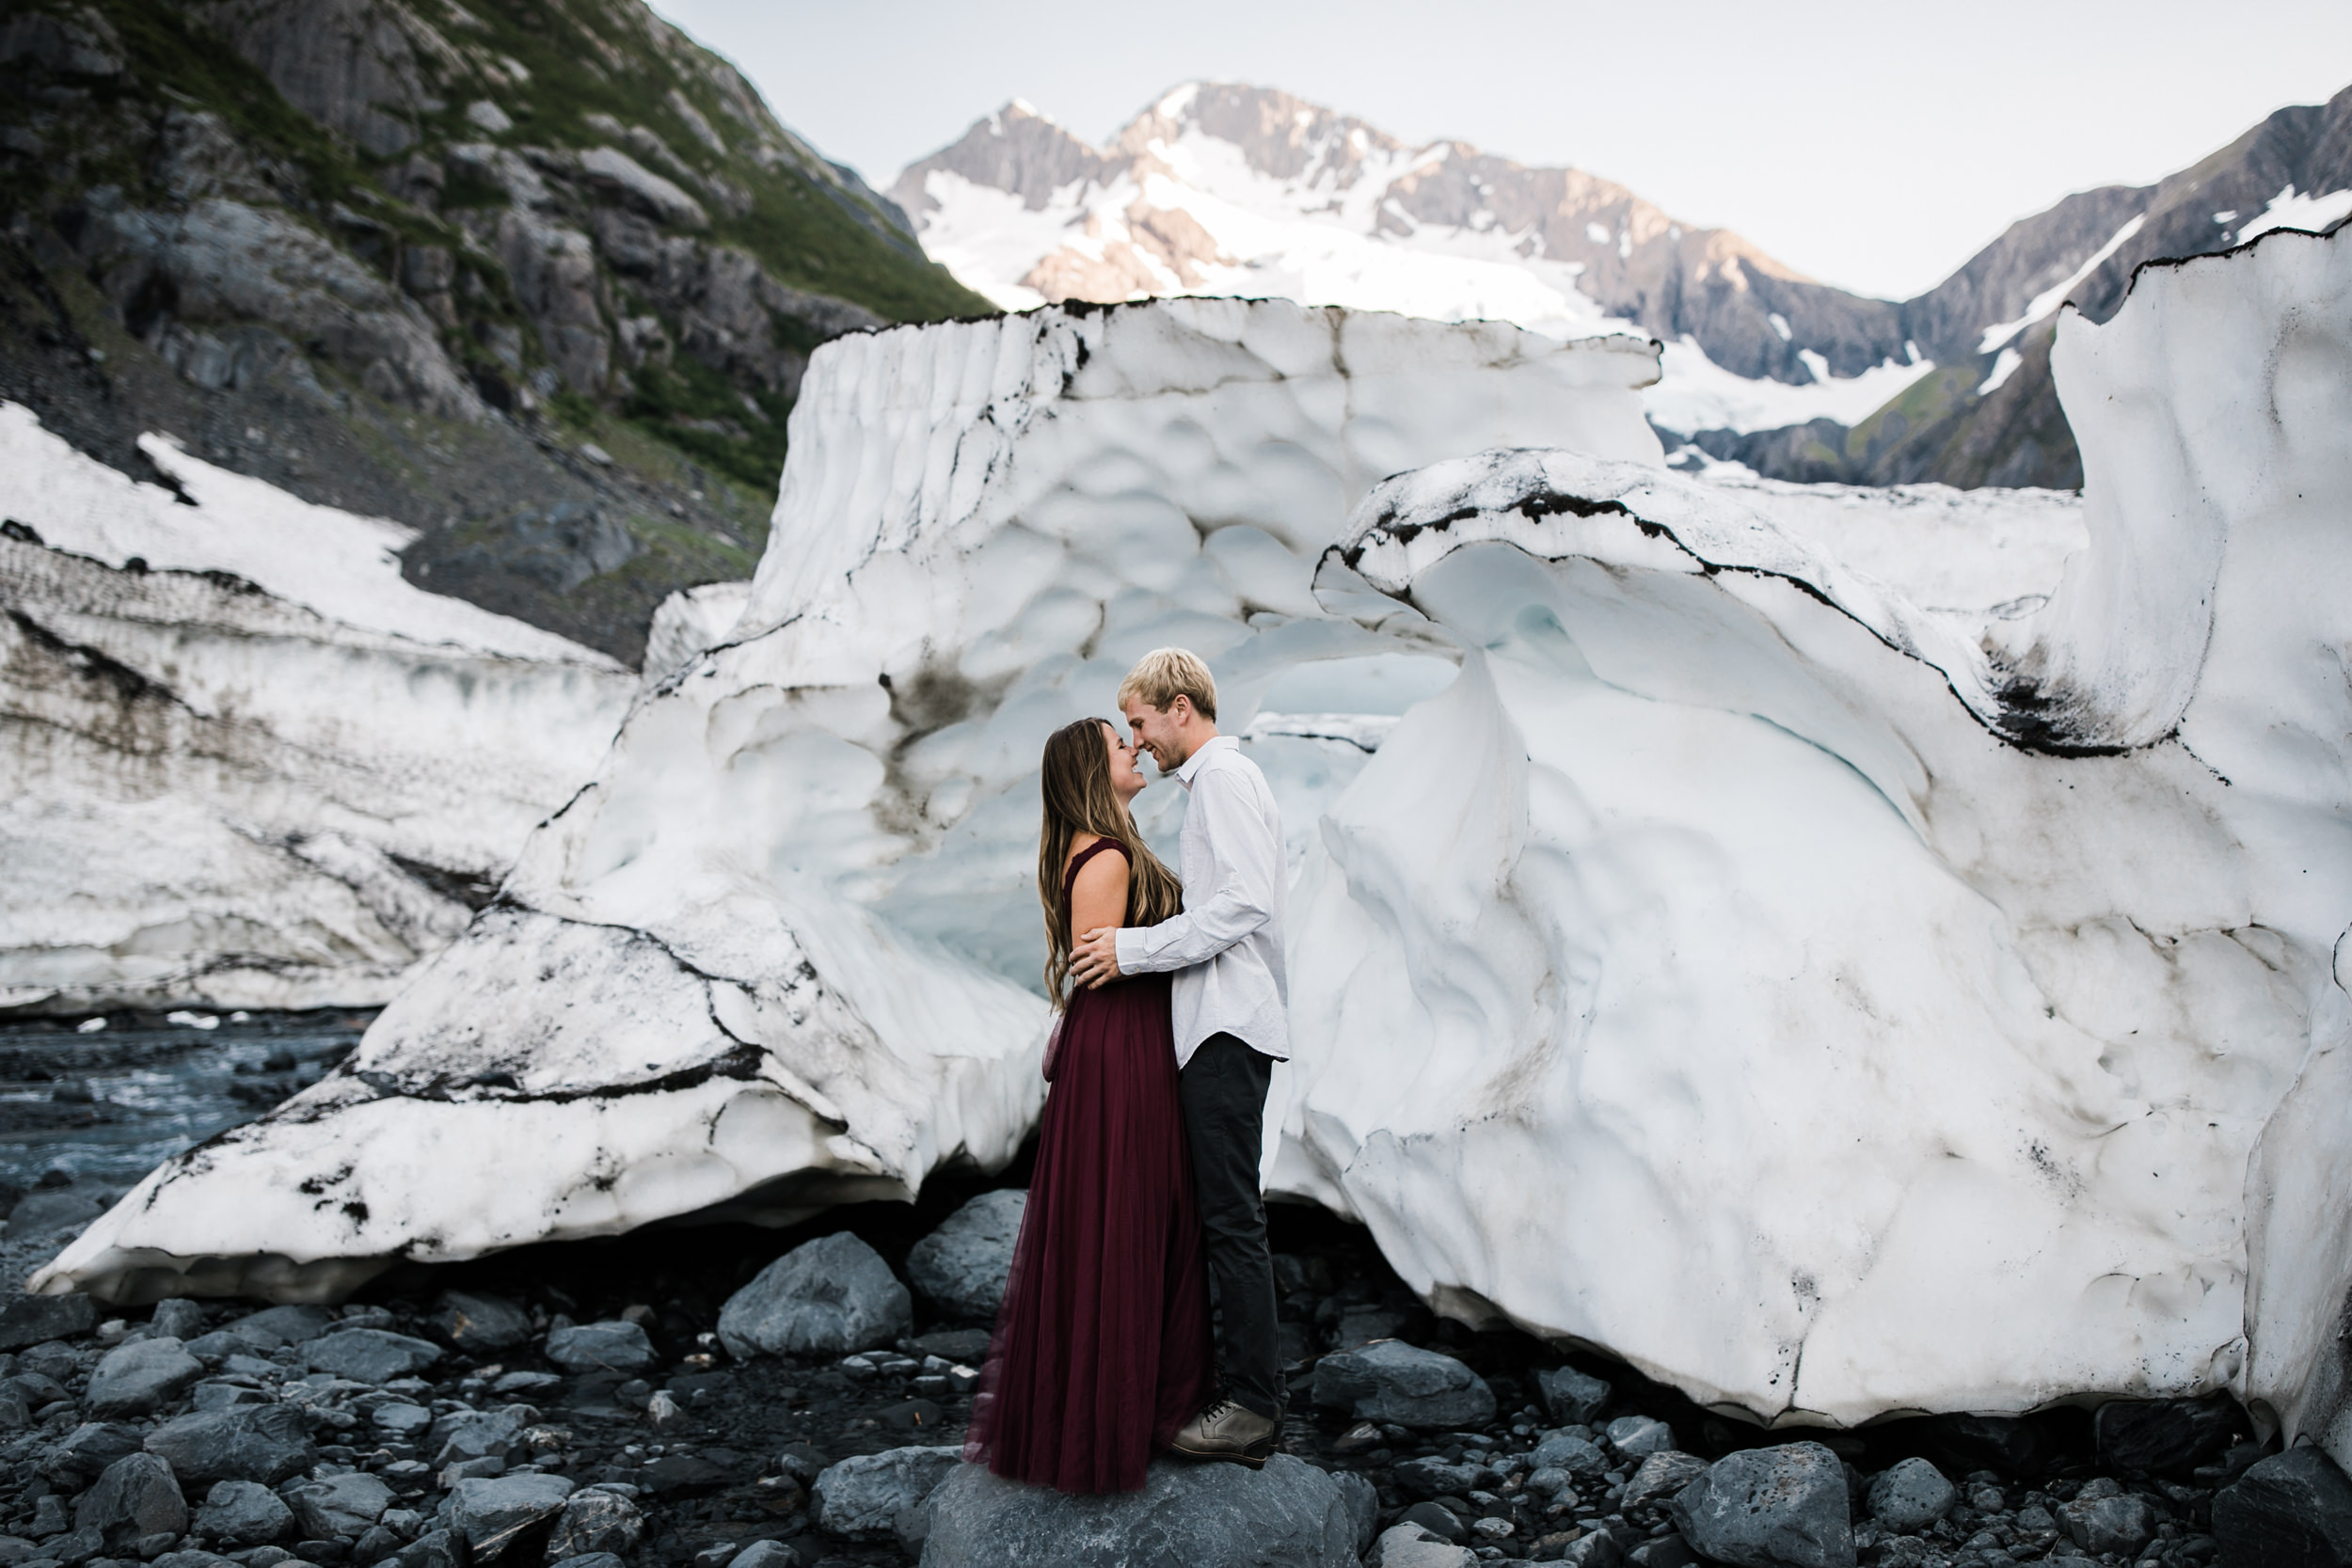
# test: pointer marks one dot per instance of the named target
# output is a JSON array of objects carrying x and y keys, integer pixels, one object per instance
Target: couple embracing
[{"x": 1146, "y": 1186}]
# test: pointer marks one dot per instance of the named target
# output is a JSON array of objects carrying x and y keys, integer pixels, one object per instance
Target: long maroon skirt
[{"x": 1102, "y": 1346}]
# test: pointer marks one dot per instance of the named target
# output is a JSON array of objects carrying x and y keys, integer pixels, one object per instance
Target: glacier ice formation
[
  {"x": 242, "y": 762},
  {"x": 1874, "y": 1009},
  {"x": 1837, "y": 991},
  {"x": 781, "y": 950}
]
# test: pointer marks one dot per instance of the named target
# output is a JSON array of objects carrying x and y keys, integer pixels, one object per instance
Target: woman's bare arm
[{"x": 1099, "y": 896}]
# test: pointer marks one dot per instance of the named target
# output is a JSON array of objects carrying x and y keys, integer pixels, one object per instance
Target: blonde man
[{"x": 1229, "y": 1003}]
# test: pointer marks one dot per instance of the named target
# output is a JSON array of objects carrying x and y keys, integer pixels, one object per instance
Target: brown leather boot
[{"x": 1229, "y": 1432}]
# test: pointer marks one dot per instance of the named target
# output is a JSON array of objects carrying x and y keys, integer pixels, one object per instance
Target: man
[{"x": 1228, "y": 1007}]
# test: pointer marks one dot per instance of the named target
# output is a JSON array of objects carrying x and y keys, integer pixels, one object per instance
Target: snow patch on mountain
[{"x": 2288, "y": 210}]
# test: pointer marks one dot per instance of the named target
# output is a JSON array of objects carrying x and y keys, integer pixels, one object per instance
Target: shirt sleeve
[{"x": 1246, "y": 872}]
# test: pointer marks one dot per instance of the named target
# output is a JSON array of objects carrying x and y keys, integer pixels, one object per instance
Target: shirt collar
[{"x": 1192, "y": 763}]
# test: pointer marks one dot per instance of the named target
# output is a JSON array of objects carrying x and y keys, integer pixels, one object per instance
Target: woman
[{"x": 1102, "y": 1346}]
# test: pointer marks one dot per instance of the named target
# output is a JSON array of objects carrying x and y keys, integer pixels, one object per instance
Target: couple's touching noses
[{"x": 1171, "y": 998}]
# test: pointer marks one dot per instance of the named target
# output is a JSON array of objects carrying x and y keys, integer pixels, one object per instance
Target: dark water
[{"x": 106, "y": 1106}]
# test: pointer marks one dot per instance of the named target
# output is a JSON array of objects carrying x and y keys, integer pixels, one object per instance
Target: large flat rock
[{"x": 1287, "y": 1516}]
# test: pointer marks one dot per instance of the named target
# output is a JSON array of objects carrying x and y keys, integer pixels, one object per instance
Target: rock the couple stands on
[{"x": 1172, "y": 999}]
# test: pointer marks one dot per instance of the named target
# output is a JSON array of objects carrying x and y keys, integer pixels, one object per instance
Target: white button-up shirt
[{"x": 1226, "y": 948}]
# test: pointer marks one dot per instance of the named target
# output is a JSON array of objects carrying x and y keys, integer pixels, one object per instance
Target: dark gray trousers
[{"x": 1223, "y": 1089}]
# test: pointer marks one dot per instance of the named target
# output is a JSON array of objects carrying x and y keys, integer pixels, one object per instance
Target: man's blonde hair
[{"x": 1164, "y": 674}]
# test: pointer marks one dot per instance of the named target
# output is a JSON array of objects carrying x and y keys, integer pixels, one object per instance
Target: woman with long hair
[{"x": 1102, "y": 1346}]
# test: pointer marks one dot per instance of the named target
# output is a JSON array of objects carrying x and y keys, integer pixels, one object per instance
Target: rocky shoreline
[{"x": 616, "y": 1397}]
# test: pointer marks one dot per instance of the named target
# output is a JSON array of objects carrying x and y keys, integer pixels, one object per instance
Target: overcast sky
[{"x": 1873, "y": 146}]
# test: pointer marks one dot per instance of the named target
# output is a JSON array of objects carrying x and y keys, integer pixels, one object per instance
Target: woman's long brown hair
[{"x": 1075, "y": 781}]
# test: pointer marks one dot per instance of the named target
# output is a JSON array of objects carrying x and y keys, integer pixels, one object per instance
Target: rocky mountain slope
[
  {"x": 1226, "y": 188},
  {"x": 534, "y": 277}
]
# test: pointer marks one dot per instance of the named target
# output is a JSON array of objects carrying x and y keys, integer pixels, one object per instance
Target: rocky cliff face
[
  {"x": 1993, "y": 418},
  {"x": 538, "y": 280},
  {"x": 1220, "y": 187}
]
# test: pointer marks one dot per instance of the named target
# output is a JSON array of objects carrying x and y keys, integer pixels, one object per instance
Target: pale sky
[{"x": 1870, "y": 145}]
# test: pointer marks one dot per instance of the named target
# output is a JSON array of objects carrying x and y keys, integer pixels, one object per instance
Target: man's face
[{"x": 1156, "y": 731}]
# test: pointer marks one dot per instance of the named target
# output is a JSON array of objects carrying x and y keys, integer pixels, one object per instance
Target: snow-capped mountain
[
  {"x": 1223, "y": 188},
  {"x": 1220, "y": 188}
]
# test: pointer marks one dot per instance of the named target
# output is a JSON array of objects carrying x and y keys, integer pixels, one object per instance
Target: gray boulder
[
  {"x": 1411, "y": 1546},
  {"x": 370, "y": 1354},
  {"x": 2103, "y": 1517},
  {"x": 242, "y": 1514},
  {"x": 1566, "y": 1450},
  {"x": 1432, "y": 1477},
  {"x": 1659, "y": 1476},
  {"x": 32, "y": 1319},
  {"x": 766, "y": 1554},
  {"x": 1637, "y": 1437},
  {"x": 179, "y": 1318},
  {"x": 464, "y": 1434},
  {"x": 1770, "y": 1507},
  {"x": 610, "y": 1559},
  {"x": 489, "y": 1512},
  {"x": 194, "y": 1559},
  {"x": 869, "y": 1498},
  {"x": 1288, "y": 1515},
  {"x": 46, "y": 1213},
  {"x": 1597, "y": 1549},
  {"x": 1392, "y": 1381},
  {"x": 1910, "y": 1497},
  {"x": 962, "y": 1267},
  {"x": 1571, "y": 1397},
  {"x": 275, "y": 1327},
  {"x": 341, "y": 1508},
  {"x": 88, "y": 1450},
  {"x": 265, "y": 1443},
  {"x": 2289, "y": 1511},
  {"x": 593, "y": 1522},
  {"x": 140, "y": 1378},
  {"x": 604, "y": 1347},
  {"x": 400, "y": 1420},
  {"x": 829, "y": 1297},
  {"x": 475, "y": 1321},
  {"x": 137, "y": 1496},
  {"x": 433, "y": 1548}
]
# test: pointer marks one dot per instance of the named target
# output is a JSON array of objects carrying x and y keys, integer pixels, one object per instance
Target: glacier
[
  {"x": 1846, "y": 953},
  {"x": 780, "y": 950},
  {"x": 245, "y": 764},
  {"x": 1872, "y": 1008}
]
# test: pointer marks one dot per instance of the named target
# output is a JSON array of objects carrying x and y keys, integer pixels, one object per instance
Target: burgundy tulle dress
[{"x": 1102, "y": 1346}]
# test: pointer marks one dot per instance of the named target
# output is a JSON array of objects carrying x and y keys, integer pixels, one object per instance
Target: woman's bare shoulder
[{"x": 1079, "y": 843}]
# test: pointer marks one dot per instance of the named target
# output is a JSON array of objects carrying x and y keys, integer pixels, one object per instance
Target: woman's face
[{"x": 1126, "y": 778}]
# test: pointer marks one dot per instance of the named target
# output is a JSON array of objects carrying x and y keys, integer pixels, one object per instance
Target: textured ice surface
[
  {"x": 1869, "y": 1010},
  {"x": 783, "y": 949},
  {"x": 245, "y": 764}
]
